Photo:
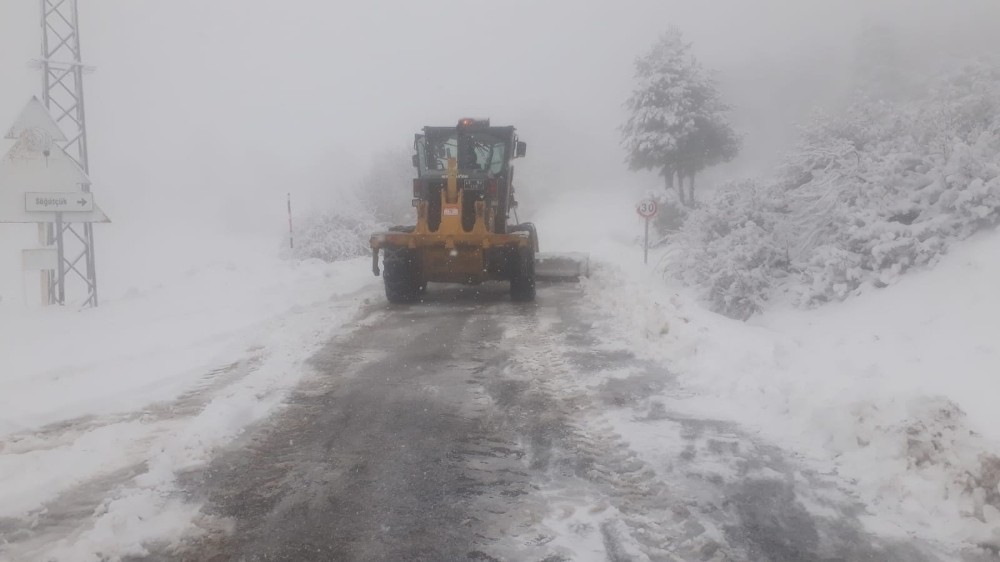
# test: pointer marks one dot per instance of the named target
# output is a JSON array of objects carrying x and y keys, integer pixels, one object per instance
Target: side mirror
[
  {"x": 416, "y": 161},
  {"x": 521, "y": 149}
]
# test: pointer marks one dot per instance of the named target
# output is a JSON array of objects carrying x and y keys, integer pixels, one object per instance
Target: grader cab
[{"x": 463, "y": 195}]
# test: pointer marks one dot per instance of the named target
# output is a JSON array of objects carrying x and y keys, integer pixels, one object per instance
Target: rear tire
[
  {"x": 401, "y": 275},
  {"x": 522, "y": 280}
]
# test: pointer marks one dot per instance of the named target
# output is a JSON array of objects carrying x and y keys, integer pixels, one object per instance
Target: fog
[{"x": 203, "y": 114}]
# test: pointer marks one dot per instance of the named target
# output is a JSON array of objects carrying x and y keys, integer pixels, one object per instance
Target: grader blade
[{"x": 561, "y": 266}]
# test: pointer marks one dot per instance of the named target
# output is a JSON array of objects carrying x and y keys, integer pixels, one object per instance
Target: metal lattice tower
[{"x": 62, "y": 93}]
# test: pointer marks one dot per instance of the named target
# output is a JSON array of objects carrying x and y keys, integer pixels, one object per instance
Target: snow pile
[
  {"x": 896, "y": 389},
  {"x": 151, "y": 344},
  {"x": 152, "y": 384},
  {"x": 870, "y": 194}
]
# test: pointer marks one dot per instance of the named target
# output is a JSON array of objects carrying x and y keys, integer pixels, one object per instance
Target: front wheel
[
  {"x": 401, "y": 275},
  {"x": 522, "y": 280}
]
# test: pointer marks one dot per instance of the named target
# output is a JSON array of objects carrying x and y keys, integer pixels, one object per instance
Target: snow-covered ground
[
  {"x": 891, "y": 392},
  {"x": 152, "y": 383},
  {"x": 894, "y": 390}
]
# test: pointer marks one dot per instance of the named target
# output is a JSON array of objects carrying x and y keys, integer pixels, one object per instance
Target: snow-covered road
[{"x": 471, "y": 428}]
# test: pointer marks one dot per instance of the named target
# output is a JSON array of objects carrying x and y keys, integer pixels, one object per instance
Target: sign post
[
  {"x": 61, "y": 282},
  {"x": 647, "y": 209}
]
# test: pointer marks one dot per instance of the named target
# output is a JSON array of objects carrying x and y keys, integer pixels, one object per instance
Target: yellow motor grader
[{"x": 463, "y": 194}]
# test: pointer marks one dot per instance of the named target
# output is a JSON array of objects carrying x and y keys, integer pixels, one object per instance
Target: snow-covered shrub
[
  {"x": 868, "y": 195},
  {"x": 729, "y": 248},
  {"x": 336, "y": 234}
]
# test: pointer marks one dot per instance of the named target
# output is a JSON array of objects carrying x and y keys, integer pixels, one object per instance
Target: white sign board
[
  {"x": 53, "y": 202},
  {"x": 35, "y": 118},
  {"x": 39, "y": 259},
  {"x": 36, "y": 164}
]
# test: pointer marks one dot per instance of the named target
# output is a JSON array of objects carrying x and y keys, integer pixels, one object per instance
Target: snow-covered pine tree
[{"x": 677, "y": 121}]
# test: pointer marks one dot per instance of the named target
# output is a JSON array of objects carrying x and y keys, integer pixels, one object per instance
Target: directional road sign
[
  {"x": 34, "y": 117},
  {"x": 59, "y": 202},
  {"x": 39, "y": 179}
]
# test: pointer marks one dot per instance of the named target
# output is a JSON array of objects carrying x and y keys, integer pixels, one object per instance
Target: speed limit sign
[{"x": 647, "y": 208}]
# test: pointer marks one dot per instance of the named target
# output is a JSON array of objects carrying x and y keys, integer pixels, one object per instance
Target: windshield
[
  {"x": 477, "y": 152},
  {"x": 489, "y": 152}
]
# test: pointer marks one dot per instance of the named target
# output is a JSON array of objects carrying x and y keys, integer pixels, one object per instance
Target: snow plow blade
[{"x": 562, "y": 267}]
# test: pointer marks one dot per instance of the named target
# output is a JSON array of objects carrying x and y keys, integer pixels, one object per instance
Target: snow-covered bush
[
  {"x": 380, "y": 199},
  {"x": 868, "y": 195},
  {"x": 729, "y": 248},
  {"x": 334, "y": 235}
]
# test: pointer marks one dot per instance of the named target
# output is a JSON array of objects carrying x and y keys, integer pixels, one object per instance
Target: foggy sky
[{"x": 206, "y": 112}]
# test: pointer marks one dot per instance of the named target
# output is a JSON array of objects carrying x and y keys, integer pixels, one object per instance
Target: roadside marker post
[
  {"x": 647, "y": 209},
  {"x": 291, "y": 233}
]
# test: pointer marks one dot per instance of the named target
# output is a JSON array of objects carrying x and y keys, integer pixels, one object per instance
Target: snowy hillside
[
  {"x": 873, "y": 191},
  {"x": 894, "y": 391}
]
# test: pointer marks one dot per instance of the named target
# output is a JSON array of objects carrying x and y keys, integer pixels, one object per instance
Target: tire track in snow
[
  {"x": 720, "y": 495},
  {"x": 85, "y": 491},
  {"x": 601, "y": 499},
  {"x": 382, "y": 455}
]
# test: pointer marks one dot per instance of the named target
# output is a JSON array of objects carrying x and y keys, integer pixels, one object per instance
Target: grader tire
[
  {"x": 400, "y": 275},
  {"x": 522, "y": 280}
]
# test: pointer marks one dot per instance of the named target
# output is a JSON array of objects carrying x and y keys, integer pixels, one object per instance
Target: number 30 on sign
[{"x": 647, "y": 208}]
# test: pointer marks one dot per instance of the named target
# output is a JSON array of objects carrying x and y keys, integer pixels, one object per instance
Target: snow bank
[
  {"x": 152, "y": 384},
  {"x": 895, "y": 388},
  {"x": 60, "y": 363}
]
